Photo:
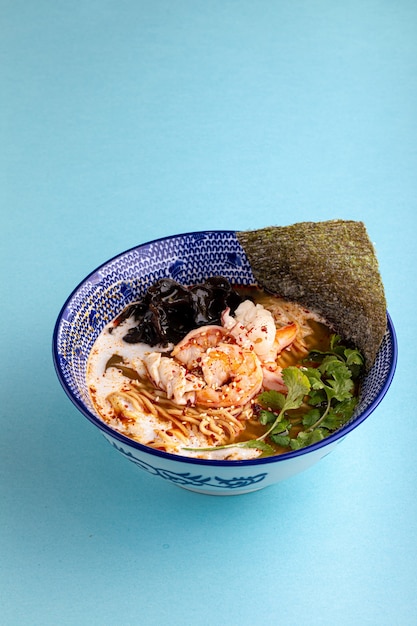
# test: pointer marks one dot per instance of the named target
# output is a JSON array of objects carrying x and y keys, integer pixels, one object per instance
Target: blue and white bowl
[{"x": 188, "y": 258}]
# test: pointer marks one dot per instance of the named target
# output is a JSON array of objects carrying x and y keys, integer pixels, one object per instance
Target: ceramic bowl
[{"x": 187, "y": 258}]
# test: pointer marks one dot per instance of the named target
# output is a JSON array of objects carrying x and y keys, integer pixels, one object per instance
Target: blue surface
[{"x": 127, "y": 121}]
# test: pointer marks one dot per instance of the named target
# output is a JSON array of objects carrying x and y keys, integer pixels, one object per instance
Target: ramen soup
[{"x": 213, "y": 386}]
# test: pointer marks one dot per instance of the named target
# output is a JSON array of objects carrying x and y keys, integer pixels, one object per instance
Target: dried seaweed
[{"x": 330, "y": 267}]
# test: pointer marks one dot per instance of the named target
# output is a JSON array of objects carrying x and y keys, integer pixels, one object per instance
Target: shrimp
[
  {"x": 272, "y": 372},
  {"x": 172, "y": 377},
  {"x": 204, "y": 370},
  {"x": 285, "y": 336},
  {"x": 273, "y": 379},
  {"x": 253, "y": 327},
  {"x": 193, "y": 346},
  {"x": 232, "y": 375},
  {"x": 229, "y": 374}
]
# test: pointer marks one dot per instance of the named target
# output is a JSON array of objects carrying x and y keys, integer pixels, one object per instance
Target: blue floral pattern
[{"x": 187, "y": 479}]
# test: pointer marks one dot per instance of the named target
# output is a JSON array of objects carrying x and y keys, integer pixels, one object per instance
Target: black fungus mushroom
[{"x": 169, "y": 310}]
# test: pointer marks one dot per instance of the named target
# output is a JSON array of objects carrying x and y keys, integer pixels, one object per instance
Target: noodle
[{"x": 223, "y": 425}]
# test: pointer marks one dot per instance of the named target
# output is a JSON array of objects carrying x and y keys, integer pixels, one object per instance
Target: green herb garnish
[
  {"x": 321, "y": 397},
  {"x": 298, "y": 386}
]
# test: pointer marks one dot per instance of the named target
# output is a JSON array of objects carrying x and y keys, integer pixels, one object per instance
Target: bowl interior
[{"x": 187, "y": 258}]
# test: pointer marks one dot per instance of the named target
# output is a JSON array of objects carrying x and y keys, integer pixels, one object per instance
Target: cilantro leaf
[
  {"x": 353, "y": 357},
  {"x": 314, "y": 377},
  {"x": 311, "y": 417},
  {"x": 335, "y": 341},
  {"x": 266, "y": 417},
  {"x": 304, "y": 438},
  {"x": 281, "y": 440},
  {"x": 340, "y": 413},
  {"x": 340, "y": 388},
  {"x": 298, "y": 386},
  {"x": 281, "y": 427},
  {"x": 272, "y": 400},
  {"x": 316, "y": 398},
  {"x": 331, "y": 364}
]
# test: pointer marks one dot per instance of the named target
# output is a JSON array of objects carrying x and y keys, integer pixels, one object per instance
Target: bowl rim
[{"x": 107, "y": 430}]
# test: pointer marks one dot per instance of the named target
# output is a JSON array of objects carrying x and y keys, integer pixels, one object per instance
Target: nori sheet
[{"x": 329, "y": 267}]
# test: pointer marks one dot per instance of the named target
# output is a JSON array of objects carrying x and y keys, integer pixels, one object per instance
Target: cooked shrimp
[
  {"x": 253, "y": 327},
  {"x": 285, "y": 336},
  {"x": 273, "y": 378},
  {"x": 193, "y": 346},
  {"x": 232, "y": 375},
  {"x": 172, "y": 377},
  {"x": 207, "y": 371},
  {"x": 272, "y": 372}
]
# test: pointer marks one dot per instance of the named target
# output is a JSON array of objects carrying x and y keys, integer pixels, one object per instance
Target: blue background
[{"x": 125, "y": 121}]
